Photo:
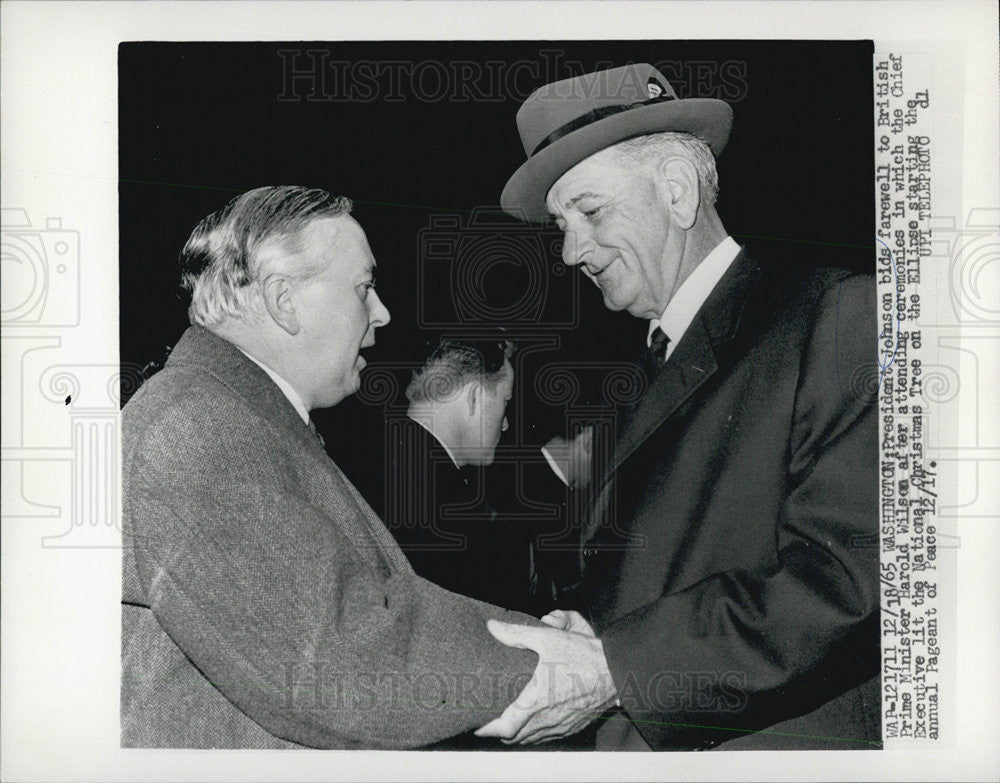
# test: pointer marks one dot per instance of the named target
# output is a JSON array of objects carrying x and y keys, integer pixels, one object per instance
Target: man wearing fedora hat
[{"x": 730, "y": 565}]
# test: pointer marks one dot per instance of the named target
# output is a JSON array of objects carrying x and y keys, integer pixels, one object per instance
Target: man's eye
[{"x": 592, "y": 213}]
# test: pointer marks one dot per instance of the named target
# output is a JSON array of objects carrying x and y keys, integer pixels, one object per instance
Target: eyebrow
[{"x": 576, "y": 200}]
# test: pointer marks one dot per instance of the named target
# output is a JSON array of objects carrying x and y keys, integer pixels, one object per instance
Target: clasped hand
[{"x": 571, "y": 685}]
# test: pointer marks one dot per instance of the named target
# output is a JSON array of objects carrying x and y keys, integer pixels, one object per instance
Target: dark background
[{"x": 431, "y": 137}]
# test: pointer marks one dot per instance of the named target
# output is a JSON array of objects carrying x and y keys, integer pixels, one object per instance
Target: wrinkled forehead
[{"x": 599, "y": 172}]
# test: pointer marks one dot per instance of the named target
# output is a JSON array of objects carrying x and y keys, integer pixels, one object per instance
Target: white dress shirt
[
  {"x": 688, "y": 299},
  {"x": 555, "y": 467},
  {"x": 285, "y": 386},
  {"x": 679, "y": 313}
]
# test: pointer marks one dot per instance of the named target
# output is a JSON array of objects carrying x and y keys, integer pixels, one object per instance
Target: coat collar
[
  {"x": 694, "y": 360},
  {"x": 230, "y": 366},
  {"x": 226, "y": 363}
]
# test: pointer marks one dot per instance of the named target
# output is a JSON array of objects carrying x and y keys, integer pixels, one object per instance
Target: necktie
[{"x": 656, "y": 354}]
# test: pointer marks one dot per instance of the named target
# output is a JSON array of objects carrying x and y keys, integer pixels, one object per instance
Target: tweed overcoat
[{"x": 264, "y": 604}]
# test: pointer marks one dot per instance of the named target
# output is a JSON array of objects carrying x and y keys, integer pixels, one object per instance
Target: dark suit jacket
[
  {"x": 445, "y": 521},
  {"x": 449, "y": 530},
  {"x": 263, "y": 602},
  {"x": 731, "y": 561}
]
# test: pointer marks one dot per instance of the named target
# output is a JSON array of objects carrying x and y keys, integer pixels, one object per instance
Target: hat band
[{"x": 593, "y": 116}]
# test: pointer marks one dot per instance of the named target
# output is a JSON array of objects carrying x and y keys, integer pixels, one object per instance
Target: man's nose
[
  {"x": 378, "y": 312},
  {"x": 574, "y": 247}
]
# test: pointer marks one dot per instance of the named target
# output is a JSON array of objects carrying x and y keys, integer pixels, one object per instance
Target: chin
[
  {"x": 611, "y": 304},
  {"x": 613, "y": 300},
  {"x": 630, "y": 305},
  {"x": 331, "y": 401},
  {"x": 337, "y": 394}
]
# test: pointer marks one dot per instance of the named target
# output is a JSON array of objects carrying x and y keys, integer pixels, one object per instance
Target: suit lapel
[{"x": 692, "y": 363}]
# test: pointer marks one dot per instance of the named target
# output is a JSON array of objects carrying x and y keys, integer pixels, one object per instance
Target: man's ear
[
  {"x": 277, "y": 294},
  {"x": 473, "y": 395},
  {"x": 677, "y": 186}
]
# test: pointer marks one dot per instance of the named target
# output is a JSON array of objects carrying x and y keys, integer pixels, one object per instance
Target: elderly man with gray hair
[
  {"x": 729, "y": 560},
  {"x": 264, "y": 604}
]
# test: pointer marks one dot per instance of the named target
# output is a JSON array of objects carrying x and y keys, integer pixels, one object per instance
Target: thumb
[{"x": 520, "y": 636}]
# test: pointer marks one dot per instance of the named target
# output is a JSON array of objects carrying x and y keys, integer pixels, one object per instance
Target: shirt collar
[
  {"x": 688, "y": 299},
  {"x": 285, "y": 386}
]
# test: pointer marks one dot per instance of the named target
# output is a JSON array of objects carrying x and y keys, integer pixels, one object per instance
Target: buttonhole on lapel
[
  {"x": 385, "y": 598},
  {"x": 696, "y": 367}
]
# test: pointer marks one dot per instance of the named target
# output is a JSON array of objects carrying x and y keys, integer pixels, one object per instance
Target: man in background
[{"x": 437, "y": 505}]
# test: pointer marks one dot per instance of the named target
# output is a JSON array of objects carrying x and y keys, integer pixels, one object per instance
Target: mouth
[
  {"x": 595, "y": 274},
  {"x": 367, "y": 342}
]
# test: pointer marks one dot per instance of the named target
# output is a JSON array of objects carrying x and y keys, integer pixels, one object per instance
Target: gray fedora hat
[{"x": 564, "y": 122}]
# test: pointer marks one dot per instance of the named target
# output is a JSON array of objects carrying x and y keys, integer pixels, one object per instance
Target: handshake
[{"x": 571, "y": 685}]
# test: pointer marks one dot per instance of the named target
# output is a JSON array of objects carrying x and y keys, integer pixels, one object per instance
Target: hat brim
[{"x": 524, "y": 195}]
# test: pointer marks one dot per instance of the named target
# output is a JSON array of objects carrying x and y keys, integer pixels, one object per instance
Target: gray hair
[
  {"x": 222, "y": 261},
  {"x": 654, "y": 148}
]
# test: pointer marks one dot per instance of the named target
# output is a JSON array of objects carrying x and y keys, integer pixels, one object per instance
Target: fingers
[
  {"x": 535, "y": 732},
  {"x": 557, "y": 618},
  {"x": 570, "y": 620},
  {"x": 504, "y": 727},
  {"x": 524, "y": 706},
  {"x": 507, "y": 726},
  {"x": 579, "y": 624}
]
